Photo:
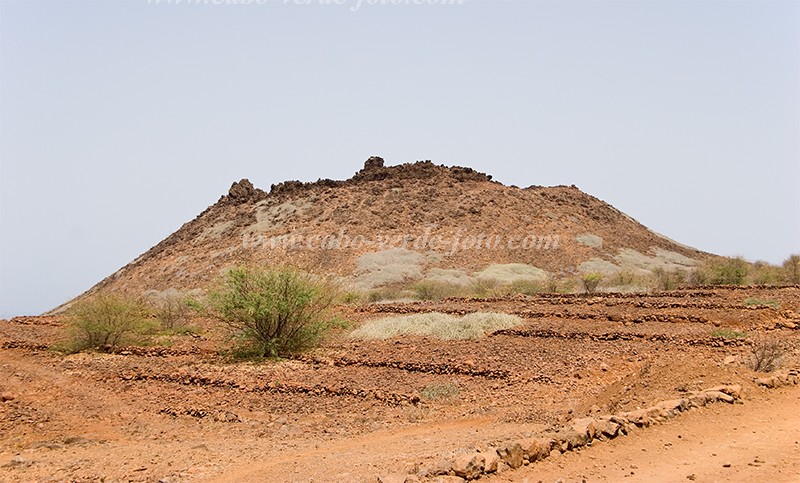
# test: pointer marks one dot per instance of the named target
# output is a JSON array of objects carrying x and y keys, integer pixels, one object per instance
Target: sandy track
[{"x": 760, "y": 439}]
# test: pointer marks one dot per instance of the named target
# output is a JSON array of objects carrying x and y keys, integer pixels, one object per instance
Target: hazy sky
[{"x": 119, "y": 121}]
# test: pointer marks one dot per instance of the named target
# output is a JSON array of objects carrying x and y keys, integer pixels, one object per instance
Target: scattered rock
[
  {"x": 606, "y": 427},
  {"x": 535, "y": 449},
  {"x": 373, "y": 162},
  {"x": 17, "y": 462},
  {"x": 77, "y": 441},
  {"x": 586, "y": 427},
  {"x": 449, "y": 479},
  {"x": 511, "y": 455},
  {"x": 492, "y": 462},
  {"x": 441, "y": 467},
  {"x": 241, "y": 190},
  {"x": 398, "y": 478},
  {"x": 720, "y": 396},
  {"x": 227, "y": 417},
  {"x": 469, "y": 466}
]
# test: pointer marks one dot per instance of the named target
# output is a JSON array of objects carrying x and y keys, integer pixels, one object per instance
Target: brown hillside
[{"x": 403, "y": 223}]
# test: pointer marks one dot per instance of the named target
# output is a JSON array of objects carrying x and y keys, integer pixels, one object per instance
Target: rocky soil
[{"x": 578, "y": 374}]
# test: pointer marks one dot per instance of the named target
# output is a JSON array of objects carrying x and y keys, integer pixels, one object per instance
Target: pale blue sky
[{"x": 119, "y": 121}]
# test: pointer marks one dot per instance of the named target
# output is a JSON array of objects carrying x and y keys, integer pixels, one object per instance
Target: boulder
[
  {"x": 639, "y": 417},
  {"x": 570, "y": 439},
  {"x": 241, "y": 190},
  {"x": 734, "y": 390},
  {"x": 535, "y": 449},
  {"x": 511, "y": 454},
  {"x": 585, "y": 426},
  {"x": 720, "y": 396},
  {"x": 374, "y": 162},
  {"x": 469, "y": 466},
  {"x": 608, "y": 428},
  {"x": 492, "y": 460}
]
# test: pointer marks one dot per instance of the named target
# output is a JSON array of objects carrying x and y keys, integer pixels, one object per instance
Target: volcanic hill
[{"x": 399, "y": 224}]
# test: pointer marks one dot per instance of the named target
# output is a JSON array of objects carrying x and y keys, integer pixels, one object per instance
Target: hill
[{"x": 390, "y": 225}]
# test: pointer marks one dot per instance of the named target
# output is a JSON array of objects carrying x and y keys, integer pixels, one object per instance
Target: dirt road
[{"x": 759, "y": 439}]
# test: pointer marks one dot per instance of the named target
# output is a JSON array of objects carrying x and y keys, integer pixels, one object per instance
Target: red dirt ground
[{"x": 355, "y": 410}]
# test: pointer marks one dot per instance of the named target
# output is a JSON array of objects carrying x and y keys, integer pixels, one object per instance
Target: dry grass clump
[
  {"x": 437, "y": 325},
  {"x": 767, "y": 354}
]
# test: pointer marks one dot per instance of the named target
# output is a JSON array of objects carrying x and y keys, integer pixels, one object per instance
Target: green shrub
[
  {"x": 105, "y": 322},
  {"x": 591, "y": 281},
  {"x": 727, "y": 271},
  {"x": 273, "y": 312}
]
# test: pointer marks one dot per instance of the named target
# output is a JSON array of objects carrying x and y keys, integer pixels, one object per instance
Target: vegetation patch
[
  {"x": 755, "y": 302},
  {"x": 511, "y": 272},
  {"x": 728, "y": 334},
  {"x": 437, "y": 325},
  {"x": 105, "y": 322},
  {"x": 591, "y": 281},
  {"x": 767, "y": 354},
  {"x": 439, "y": 391},
  {"x": 272, "y": 312}
]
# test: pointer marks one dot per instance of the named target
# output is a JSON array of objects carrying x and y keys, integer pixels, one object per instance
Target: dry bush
[
  {"x": 767, "y": 354},
  {"x": 551, "y": 285},
  {"x": 528, "y": 287},
  {"x": 436, "y": 325},
  {"x": 764, "y": 273},
  {"x": 591, "y": 281},
  {"x": 440, "y": 390},
  {"x": 483, "y": 287},
  {"x": 171, "y": 307},
  {"x": 668, "y": 280},
  {"x": 624, "y": 278},
  {"x": 383, "y": 294},
  {"x": 434, "y": 290},
  {"x": 791, "y": 269}
]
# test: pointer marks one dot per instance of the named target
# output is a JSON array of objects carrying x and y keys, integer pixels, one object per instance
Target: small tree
[
  {"x": 728, "y": 271},
  {"x": 275, "y": 312},
  {"x": 792, "y": 268},
  {"x": 106, "y": 321},
  {"x": 591, "y": 281}
]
